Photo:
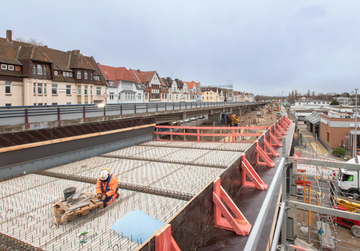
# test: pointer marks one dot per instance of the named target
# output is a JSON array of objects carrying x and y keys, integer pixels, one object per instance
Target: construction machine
[
  {"x": 233, "y": 120},
  {"x": 347, "y": 205}
]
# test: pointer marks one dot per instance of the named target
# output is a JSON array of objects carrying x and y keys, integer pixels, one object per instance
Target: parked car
[
  {"x": 187, "y": 120},
  {"x": 279, "y": 114},
  {"x": 193, "y": 119}
]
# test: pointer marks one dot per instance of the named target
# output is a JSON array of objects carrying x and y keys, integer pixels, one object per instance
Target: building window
[
  {"x": 98, "y": 91},
  {"x": 119, "y": 95},
  {"x": 176, "y": 97},
  {"x": 44, "y": 88},
  {"x": 3, "y": 66},
  {"x": 78, "y": 74},
  {"x": 71, "y": 74},
  {"x": 68, "y": 89},
  {"x": 165, "y": 95},
  {"x": 34, "y": 88},
  {"x": 90, "y": 89},
  {"x": 139, "y": 96},
  {"x": 91, "y": 77},
  {"x": 39, "y": 69},
  {"x": 111, "y": 96},
  {"x": 64, "y": 74},
  {"x": 79, "y": 90},
  {"x": 44, "y": 69},
  {"x": 54, "y": 89},
  {"x": 85, "y": 89},
  {"x": 7, "y": 104},
  {"x": 39, "y": 103},
  {"x": 54, "y": 103},
  {"x": 39, "y": 88},
  {"x": 7, "y": 87},
  {"x": 146, "y": 96},
  {"x": 328, "y": 137},
  {"x": 85, "y": 74},
  {"x": 34, "y": 69},
  {"x": 10, "y": 67},
  {"x": 56, "y": 73}
]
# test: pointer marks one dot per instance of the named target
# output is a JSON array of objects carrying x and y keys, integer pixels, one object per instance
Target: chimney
[
  {"x": 76, "y": 52},
  {"x": 138, "y": 70},
  {"x": 9, "y": 35},
  {"x": 45, "y": 46}
]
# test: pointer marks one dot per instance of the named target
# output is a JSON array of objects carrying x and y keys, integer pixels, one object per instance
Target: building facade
[
  {"x": 338, "y": 132},
  {"x": 122, "y": 85},
  {"x": 153, "y": 85},
  {"x": 38, "y": 75}
]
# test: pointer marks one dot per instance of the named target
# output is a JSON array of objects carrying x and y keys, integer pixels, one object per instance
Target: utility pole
[{"x": 355, "y": 143}]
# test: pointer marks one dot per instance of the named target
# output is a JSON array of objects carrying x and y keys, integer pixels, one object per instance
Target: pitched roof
[
  {"x": 191, "y": 84},
  {"x": 118, "y": 73},
  {"x": 17, "y": 53}
]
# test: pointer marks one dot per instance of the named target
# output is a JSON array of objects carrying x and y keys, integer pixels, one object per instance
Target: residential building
[
  {"x": 211, "y": 94},
  {"x": 38, "y": 75},
  {"x": 154, "y": 86},
  {"x": 194, "y": 89},
  {"x": 179, "y": 91},
  {"x": 122, "y": 85}
]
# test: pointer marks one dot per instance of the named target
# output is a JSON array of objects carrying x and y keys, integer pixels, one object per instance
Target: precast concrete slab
[
  {"x": 82, "y": 165},
  {"x": 36, "y": 225}
]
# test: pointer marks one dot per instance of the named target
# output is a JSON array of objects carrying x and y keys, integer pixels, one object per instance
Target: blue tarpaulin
[{"x": 137, "y": 226}]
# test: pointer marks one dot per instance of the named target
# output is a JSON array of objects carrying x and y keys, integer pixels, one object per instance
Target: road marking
[{"x": 320, "y": 149}]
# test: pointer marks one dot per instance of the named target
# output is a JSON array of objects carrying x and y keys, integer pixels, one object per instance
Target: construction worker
[{"x": 107, "y": 187}]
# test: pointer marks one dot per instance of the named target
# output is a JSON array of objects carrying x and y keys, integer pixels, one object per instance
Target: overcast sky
[{"x": 265, "y": 46}]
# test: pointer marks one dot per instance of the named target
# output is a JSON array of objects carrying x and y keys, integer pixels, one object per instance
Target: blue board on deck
[{"x": 137, "y": 226}]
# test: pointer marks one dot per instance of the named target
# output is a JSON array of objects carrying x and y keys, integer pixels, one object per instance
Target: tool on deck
[{"x": 74, "y": 203}]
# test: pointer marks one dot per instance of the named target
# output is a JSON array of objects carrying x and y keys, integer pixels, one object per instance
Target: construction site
[{"x": 245, "y": 185}]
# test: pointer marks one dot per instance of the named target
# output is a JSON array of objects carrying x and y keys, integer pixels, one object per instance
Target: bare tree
[{"x": 32, "y": 41}]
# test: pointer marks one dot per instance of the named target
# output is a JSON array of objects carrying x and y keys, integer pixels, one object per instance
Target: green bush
[
  {"x": 334, "y": 102},
  {"x": 338, "y": 151}
]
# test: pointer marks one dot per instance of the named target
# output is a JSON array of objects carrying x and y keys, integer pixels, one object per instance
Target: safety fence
[
  {"x": 35, "y": 114},
  {"x": 233, "y": 134}
]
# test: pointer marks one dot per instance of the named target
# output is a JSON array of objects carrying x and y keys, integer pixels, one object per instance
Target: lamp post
[{"x": 355, "y": 143}]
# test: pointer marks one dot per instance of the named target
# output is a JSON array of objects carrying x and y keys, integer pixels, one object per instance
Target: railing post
[
  {"x": 157, "y": 108},
  {"x": 180, "y": 106},
  {"x": 191, "y": 105},
  {"x": 135, "y": 109},
  {"x": 185, "y": 106},
  {"x": 165, "y": 107},
  {"x": 147, "y": 109},
  {"x": 173, "y": 106},
  {"x": 84, "y": 114},
  {"x": 198, "y": 135},
  {"x": 58, "y": 115},
  {"x": 105, "y": 112},
  {"x": 196, "y": 105},
  {"x": 121, "y": 114},
  {"x": 27, "y": 126}
]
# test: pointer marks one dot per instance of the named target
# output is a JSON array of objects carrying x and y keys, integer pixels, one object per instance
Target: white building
[{"x": 122, "y": 85}]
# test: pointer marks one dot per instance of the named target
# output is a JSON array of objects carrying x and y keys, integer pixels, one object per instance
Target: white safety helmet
[{"x": 104, "y": 174}]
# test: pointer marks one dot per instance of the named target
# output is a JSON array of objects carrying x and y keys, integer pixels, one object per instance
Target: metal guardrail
[{"x": 16, "y": 115}]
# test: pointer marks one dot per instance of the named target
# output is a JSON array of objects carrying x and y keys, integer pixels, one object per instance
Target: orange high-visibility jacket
[{"x": 108, "y": 188}]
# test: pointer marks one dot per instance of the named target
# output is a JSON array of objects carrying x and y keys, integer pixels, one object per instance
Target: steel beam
[
  {"x": 275, "y": 240},
  {"x": 323, "y": 210},
  {"x": 324, "y": 163}
]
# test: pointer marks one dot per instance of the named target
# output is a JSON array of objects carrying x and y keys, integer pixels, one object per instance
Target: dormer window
[
  {"x": 85, "y": 75},
  {"x": 34, "y": 69},
  {"x": 78, "y": 74},
  {"x": 39, "y": 69},
  {"x": 71, "y": 74},
  {"x": 11, "y": 67},
  {"x": 64, "y": 74},
  {"x": 91, "y": 76},
  {"x": 3, "y": 66},
  {"x": 44, "y": 69},
  {"x": 56, "y": 73},
  {"x": 67, "y": 74}
]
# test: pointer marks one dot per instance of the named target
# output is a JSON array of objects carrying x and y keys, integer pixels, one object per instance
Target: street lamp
[{"x": 355, "y": 143}]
